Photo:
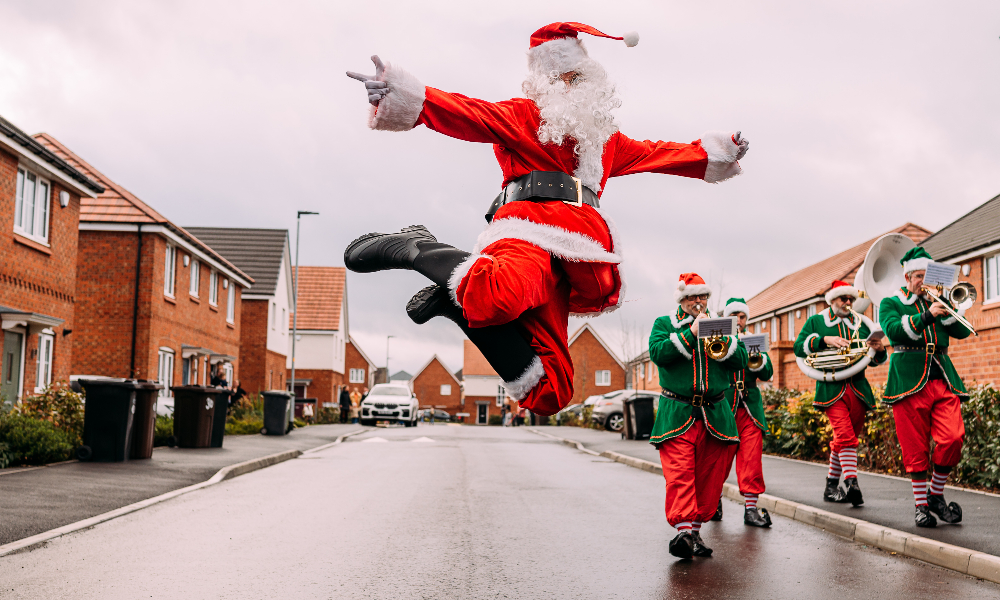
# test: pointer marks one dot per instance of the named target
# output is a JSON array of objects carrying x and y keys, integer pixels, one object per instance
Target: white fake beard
[{"x": 581, "y": 111}]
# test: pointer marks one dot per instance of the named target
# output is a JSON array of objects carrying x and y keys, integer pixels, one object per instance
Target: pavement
[
  {"x": 39, "y": 499},
  {"x": 888, "y": 500},
  {"x": 453, "y": 512}
]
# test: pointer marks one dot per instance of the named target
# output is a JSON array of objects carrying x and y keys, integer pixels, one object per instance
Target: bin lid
[
  {"x": 194, "y": 388},
  {"x": 145, "y": 384},
  {"x": 282, "y": 393},
  {"x": 112, "y": 382}
]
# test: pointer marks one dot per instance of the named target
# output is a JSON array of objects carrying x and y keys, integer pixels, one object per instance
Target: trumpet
[
  {"x": 717, "y": 346},
  {"x": 960, "y": 293},
  {"x": 756, "y": 360}
]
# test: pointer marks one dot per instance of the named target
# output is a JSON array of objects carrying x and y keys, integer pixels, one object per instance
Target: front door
[
  {"x": 10, "y": 364},
  {"x": 481, "y": 414}
]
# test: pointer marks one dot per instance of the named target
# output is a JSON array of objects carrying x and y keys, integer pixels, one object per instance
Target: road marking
[
  {"x": 423, "y": 439},
  {"x": 376, "y": 440}
]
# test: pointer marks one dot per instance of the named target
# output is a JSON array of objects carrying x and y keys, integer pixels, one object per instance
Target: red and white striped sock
[
  {"x": 835, "y": 470},
  {"x": 937, "y": 483},
  {"x": 695, "y": 526},
  {"x": 849, "y": 462},
  {"x": 750, "y": 500},
  {"x": 919, "y": 491},
  {"x": 685, "y": 526}
]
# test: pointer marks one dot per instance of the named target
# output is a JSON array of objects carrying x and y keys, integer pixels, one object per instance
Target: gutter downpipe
[{"x": 135, "y": 300}]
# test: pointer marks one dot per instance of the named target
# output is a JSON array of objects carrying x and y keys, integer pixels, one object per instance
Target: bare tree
[{"x": 631, "y": 341}]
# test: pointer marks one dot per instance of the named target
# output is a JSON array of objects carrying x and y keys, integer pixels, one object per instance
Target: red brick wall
[
  {"x": 36, "y": 279},
  {"x": 427, "y": 387},
  {"x": 648, "y": 378},
  {"x": 588, "y": 358},
  {"x": 260, "y": 369},
  {"x": 354, "y": 360},
  {"x": 472, "y": 408},
  {"x": 325, "y": 386},
  {"x": 977, "y": 359},
  {"x": 276, "y": 370}
]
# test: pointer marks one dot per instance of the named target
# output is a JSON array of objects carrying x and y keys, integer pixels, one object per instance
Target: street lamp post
[{"x": 295, "y": 302}]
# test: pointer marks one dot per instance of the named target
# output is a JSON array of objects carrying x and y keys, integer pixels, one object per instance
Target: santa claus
[{"x": 548, "y": 250}]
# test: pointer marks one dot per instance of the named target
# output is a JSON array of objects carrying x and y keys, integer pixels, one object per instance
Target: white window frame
[
  {"x": 446, "y": 389},
  {"x": 791, "y": 324},
  {"x": 356, "y": 376},
  {"x": 602, "y": 378},
  {"x": 43, "y": 374},
  {"x": 501, "y": 395},
  {"x": 642, "y": 371},
  {"x": 231, "y": 303},
  {"x": 165, "y": 371},
  {"x": 213, "y": 287},
  {"x": 35, "y": 226},
  {"x": 811, "y": 311},
  {"x": 774, "y": 329},
  {"x": 195, "y": 277},
  {"x": 991, "y": 277},
  {"x": 170, "y": 270}
]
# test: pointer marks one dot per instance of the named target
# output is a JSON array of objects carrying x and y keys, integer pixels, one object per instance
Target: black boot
[
  {"x": 833, "y": 491},
  {"x": 718, "y": 512},
  {"x": 698, "y": 547},
  {"x": 682, "y": 546},
  {"x": 433, "y": 301},
  {"x": 924, "y": 518},
  {"x": 948, "y": 512},
  {"x": 383, "y": 251},
  {"x": 756, "y": 517},
  {"x": 854, "y": 492}
]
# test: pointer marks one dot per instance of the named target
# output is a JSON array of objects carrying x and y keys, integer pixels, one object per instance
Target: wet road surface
[{"x": 453, "y": 512}]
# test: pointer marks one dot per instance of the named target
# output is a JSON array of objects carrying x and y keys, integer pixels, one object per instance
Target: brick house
[
  {"x": 781, "y": 308},
  {"x": 360, "y": 369},
  {"x": 264, "y": 255},
  {"x": 597, "y": 370},
  {"x": 437, "y": 387},
  {"x": 644, "y": 375},
  {"x": 973, "y": 243},
  {"x": 321, "y": 344},
  {"x": 40, "y": 195},
  {"x": 152, "y": 300},
  {"x": 482, "y": 389}
]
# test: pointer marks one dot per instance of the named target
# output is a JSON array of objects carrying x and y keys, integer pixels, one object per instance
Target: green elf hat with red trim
[{"x": 915, "y": 259}]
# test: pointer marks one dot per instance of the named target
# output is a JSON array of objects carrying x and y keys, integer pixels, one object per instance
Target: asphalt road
[{"x": 467, "y": 512}]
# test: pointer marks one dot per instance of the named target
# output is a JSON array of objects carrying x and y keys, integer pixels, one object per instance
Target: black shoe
[
  {"x": 833, "y": 491},
  {"x": 682, "y": 546},
  {"x": 756, "y": 517},
  {"x": 699, "y": 548},
  {"x": 854, "y": 492},
  {"x": 924, "y": 518},
  {"x": 433, "y": 301},
  {"x": 718, "y": 512},
  {"x": 949, "y": 513},
  {"x": 382, "y": 251}
]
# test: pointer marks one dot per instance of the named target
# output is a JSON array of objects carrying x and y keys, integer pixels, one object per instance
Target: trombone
[{"x": 960, "y": 293}]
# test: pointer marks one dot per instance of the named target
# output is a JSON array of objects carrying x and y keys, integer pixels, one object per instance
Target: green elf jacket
[
  {"x": 751, "y": 394},
  {"x": 907, "y": 321},
  {"x": 810, "y": 340},
  {"x": 686, "y": 370}
]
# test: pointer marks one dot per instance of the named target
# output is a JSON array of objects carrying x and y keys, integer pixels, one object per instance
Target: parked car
[
  {"x": 608, "y": 409},
  {"x": 424, "y": 414},
  {"x": 390, "y": 402}
]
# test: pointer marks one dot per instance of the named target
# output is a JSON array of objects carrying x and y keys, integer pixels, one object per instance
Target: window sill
[
  {"x": 993, "y": 305},
  {"x": 230, "y": 325},
  {"x": 213, "y": 307},
  {"x": 170, "y": 299},
  {"x": 30, "y": 243},
  {"x": 194, "y": 299}
]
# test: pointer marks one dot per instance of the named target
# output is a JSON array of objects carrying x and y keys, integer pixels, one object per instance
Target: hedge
[{"x": 31, "y": 441}]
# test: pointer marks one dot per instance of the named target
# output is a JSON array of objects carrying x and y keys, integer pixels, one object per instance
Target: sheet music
[
  {"x": 720, "y": 326},
  {"x": 758, "y": 342},
  {"x": 940, "y": 274}
]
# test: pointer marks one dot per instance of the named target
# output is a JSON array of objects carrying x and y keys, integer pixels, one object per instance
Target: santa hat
[
  {"x": 915, "y": 259},
  {"x": 735, "y": 305},
  {"x": 691, "y": 284},
  {"x": 841, "y": 288},
  {"x": 555, "y": 48}
]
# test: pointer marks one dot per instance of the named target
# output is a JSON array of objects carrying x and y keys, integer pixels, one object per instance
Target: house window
[
  {"x": 165, "y": 371},
  {"x": 274, "y": 315},
  {"x": 791, "y": 325},
  {"x": 446, "y": 390},
  {"x": 603, "y": 377},
  {"x": 649, "y": 373},
  {"x": 195, "y": 277},
  {"x": 213, "y": 287},
  {"x": 811, "y": 311},
  {"x": 231, "y": 304},
  {"x": 774, "y": 329},
  {"x": 31, "y": 206},
  {"x": 501, "y": 394},
  {"x": 169, "y": 270},
  {"x": 991, "y": 278},
  {"x": 357, "y": 376},
  {"x": 642, "y": 370},
  {"x": 45, "y": 341}
]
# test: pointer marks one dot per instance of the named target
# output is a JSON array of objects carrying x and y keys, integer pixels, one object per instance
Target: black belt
[
  {"x": 698, "y": 400},
  {"x": 927, "y": 349},
  {"x": 545, "y": 186}
]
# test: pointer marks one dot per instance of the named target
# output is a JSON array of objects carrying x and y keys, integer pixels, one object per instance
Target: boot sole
[
  {"x": 417, "y": 308},
  {"x": 681, "y": 550}
]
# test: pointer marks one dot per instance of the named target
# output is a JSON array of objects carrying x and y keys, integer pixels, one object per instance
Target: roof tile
[{"x": 321, "y": 297}]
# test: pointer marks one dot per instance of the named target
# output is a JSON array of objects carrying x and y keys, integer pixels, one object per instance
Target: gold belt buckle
[
  {"x": 931, "y": 348},
  {"x": 698, "y": 401},
  {"x": 579, "y": 192},
  {"x": 739, "y": 386}
]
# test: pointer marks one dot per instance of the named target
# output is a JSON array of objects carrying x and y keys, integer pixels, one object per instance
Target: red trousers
[
  {"x": 518, "y": 281},
  {"x": 695, "y": 466},
  {"x": 749, "y": 466},
  {"x": 847, "y": 416},
  {"x": 932, "y": 412}
]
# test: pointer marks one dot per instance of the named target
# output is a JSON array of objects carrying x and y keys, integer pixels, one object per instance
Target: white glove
[
  {"x": 742, "y": 142},
  {"x": 376, "y": 89}
]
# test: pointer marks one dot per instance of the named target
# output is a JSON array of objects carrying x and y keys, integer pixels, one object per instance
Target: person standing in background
[{"x": 345, "y": 405}]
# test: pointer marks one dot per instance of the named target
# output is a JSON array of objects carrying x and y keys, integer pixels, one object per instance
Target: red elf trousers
[
  {"x": 695, "y": 466},
  {"x": 515, "y": 280},
  {"x": 932, "y": 412},
  {"x": 847, "y": 416},
  {"x": 749, "y": 466}
]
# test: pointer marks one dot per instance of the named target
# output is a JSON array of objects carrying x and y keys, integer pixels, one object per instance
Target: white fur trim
[
  {"x": 520, "y": 387},
  {"x": 556, "y": 57},
  {"x": 683, "y": 290},
  {"x": 679, "y": 344},
  {"x": 805, "y": 344},
  {"x": 916, "y": 264},
  {"x": 837, "y": 292},
  {"x": 721, "y": 150},
  {"x": 559, "y": 242},
  {"x": 950, "y": 320},
  {"x": 678, "y": 324},
  {"x": 631, "y": 39},
  {"x": 459, "y": 274},
  {"x": 736, "y": 307},
  {"x": 909, "y": 329},
  {"x": 732, "y": 348},
  {"x": 766, "y": 360},
  {"x": 831, "y": 320},
  {"x": 401, "y": 107},
  {"x": 907, "y": 301},
  {"x": 590, "y": 166}
]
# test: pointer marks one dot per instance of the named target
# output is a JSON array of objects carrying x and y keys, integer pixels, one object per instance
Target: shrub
[
  {"x": 247, "y": 426},
  {"x": 246, "y": 417},
  {"x": 495, "y": 420},
  {"x": 300, "y": 423},
  {"x": 58, "y": 405},
  {"x": 163, "y": 429},
  {"x": 980, "y": 464},
  {"x": 328, "y": 416},
  {"x": 5, "y": 456},
  {"x": 33, "y": 441}
]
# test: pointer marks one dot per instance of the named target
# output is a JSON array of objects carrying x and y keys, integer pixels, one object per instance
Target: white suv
[{"x": 390, "y": 402}]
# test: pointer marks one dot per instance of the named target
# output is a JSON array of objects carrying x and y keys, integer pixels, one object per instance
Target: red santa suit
[{"x": 539, "y": 262}]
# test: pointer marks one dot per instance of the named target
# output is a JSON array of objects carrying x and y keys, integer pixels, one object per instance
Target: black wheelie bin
[
  {"x": 222, "y": 397},
  {"x": 144, "y": 421},
  {"x": 276, "y": 412},
  {"x": 107, "y": 419},
  {"x": 639, "y": 416}
]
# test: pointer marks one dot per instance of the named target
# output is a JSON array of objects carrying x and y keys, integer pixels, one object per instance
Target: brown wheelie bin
[{"x": 194, "y": 410}]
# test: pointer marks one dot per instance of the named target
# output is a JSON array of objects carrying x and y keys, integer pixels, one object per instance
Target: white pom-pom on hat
[{"x": 631, "y": 39}]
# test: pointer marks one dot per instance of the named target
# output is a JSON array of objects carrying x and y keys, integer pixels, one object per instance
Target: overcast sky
[{"x": 861, "y": 116}]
